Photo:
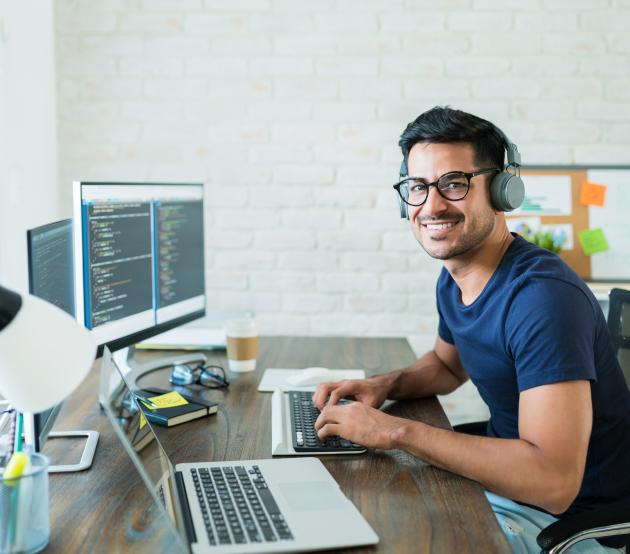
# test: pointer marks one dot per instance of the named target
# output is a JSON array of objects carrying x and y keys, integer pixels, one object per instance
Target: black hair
[{"x": 444, "y": 124}]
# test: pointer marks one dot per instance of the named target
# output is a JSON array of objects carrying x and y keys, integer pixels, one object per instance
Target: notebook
[
  {"x": 170, "y": 416},
  {"x": 285, "y": 505}
]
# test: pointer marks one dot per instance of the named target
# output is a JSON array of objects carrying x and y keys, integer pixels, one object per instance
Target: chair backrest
[{"x": 619, "y": 327}]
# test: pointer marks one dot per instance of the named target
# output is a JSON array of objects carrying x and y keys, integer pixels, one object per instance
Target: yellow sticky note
[
  {"x": 168, "y": 400},
  {"x": 143, "y": 420},
  {"x": 593, "y": 241},
  {"x": 593, "y": 194}
]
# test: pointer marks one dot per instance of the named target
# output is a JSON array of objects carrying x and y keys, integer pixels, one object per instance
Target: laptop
[{"x": 281, "y": 505}]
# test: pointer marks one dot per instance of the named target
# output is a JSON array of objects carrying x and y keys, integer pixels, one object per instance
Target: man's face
[{"x": 444, "y": 228}]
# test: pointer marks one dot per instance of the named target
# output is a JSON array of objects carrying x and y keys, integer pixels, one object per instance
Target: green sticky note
[{"x": 593, "y": 241}]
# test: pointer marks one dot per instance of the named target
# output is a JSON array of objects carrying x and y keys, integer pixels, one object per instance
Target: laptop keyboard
[
  {"x": 237, "y": 506},
  {"x": 305, "y": 439}
]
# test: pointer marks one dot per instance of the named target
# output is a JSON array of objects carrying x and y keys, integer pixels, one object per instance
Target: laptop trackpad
[{"x": 311, "y": 495}]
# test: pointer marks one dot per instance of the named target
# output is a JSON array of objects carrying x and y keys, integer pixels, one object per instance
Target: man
[{"x": 517, "y": 321}]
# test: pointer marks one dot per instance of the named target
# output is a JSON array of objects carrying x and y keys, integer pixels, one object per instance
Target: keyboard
[
  {"x": 305, "y": 439},
  {"x": 238, "y": 507}
]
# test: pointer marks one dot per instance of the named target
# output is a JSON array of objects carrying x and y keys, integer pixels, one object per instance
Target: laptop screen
[{"x": 140, "y": 441}]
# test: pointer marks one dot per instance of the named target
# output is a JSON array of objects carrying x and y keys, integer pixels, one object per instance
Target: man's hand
[
  {"x": 372, "y": 392},
  {"x": 358, "y": 423}
]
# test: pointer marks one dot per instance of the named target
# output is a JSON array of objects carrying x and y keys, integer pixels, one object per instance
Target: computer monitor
[
  {"x": 139, "y": 253},
  {"x": 51, "y": 278},
  {"x": 50, "y": 264}
]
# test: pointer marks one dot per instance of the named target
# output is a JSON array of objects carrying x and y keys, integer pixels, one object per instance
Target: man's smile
[
  {"x": 438, "y": 229},
  {"x": 436, "y": 226}
]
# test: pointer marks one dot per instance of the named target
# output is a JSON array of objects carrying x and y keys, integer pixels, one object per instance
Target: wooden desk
[{"x": 412, "y": 507}]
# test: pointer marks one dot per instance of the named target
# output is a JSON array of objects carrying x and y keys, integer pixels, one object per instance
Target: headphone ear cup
[
  {"x": 403, "y": 172},
  {"x": 507, "y": 191},
  {"x": 404, "y": 210}
]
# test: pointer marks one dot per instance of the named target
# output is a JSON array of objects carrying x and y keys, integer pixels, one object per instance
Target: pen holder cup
[{"x": 24, "y": 517}]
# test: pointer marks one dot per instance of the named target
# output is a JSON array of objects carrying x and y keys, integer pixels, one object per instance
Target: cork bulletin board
[{"x": 556, "y": 199}]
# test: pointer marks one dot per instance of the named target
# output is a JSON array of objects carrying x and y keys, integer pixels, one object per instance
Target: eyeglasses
[
  {"x": 452, "y": 186},
  {"x": 210, "y": 376}
]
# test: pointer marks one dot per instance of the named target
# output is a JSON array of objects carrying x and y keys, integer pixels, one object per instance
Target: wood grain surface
[{"x": 413, "y": 507}]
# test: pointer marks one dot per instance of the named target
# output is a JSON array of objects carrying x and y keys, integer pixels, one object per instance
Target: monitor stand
[
  {"x": 31, "y": 436},
  {"x": 134, "y": 370},
  {"x": 87, "y": 456}
]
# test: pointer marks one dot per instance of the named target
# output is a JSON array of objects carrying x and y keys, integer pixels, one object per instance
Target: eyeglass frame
[
  {"x": 468, "y": 176},
  {"x": 205, "y": 374}
]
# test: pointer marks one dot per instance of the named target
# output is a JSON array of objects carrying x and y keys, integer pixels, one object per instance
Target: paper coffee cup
[{"x": 242, "y": 344}]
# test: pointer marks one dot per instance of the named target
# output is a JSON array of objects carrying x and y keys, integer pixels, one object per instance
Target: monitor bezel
[
  {"x": 29, "y": 248},
  {"x": 41, "y": 426},
  {"x": 143, "y": 334},
  {"x": 36, "y": 427}
]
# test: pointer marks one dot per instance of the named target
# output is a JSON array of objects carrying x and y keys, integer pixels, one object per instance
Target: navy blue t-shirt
[{"x": 536, "y": 323}]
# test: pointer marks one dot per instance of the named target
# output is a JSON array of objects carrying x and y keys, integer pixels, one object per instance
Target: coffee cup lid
[{"x": 244, "y": 327}]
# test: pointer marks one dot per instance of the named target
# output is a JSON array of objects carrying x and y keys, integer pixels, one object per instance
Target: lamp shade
[{"x": 44, "y": 353}]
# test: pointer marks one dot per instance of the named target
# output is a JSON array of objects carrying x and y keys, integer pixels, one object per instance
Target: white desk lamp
[{"x": 44, "y": 353}]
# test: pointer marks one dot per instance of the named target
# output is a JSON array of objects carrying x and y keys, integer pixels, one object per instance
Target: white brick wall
[
  {"x": 290, "y": 111},
  {"x": 29, "y": 195}
]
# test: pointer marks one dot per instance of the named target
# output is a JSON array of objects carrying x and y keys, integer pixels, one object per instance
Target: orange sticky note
[{"x": 593, "y": 194}]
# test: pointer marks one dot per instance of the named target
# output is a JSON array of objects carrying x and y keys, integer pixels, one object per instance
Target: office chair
[
  {"x": 619, "y": 327},
  {"x": 609, "y": 524}
]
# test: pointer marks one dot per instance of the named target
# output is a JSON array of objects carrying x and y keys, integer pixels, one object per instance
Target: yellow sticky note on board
[
  {"x": 168, "y": 400},
  {"x": 593, "y": 194},
  {"x": 593, "y": 241},
  {"x": 143, "y": 420}
]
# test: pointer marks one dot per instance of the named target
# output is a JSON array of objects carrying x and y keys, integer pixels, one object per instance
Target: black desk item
[
  {"x": 196, "y": 398},
  {"x": 253, "y": 503},
  {"x": 168, "y": 417},
  {"x": 305, "y": 439}
]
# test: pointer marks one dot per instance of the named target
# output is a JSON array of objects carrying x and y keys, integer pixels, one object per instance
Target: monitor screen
[
  {"x": 50, "y": 264},
  {"x": 51, "y": 278},
  {"x": 139, "y": 252}
]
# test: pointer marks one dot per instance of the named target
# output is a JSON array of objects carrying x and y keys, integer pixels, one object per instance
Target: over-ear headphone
[{"x": 507, "y": 190}]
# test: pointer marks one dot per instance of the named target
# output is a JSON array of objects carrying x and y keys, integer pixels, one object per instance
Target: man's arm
[
  {"x": 544, "y": 467},
  {"x": 439, "y": 371}
]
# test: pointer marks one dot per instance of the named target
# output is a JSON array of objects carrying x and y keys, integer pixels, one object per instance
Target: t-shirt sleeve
[
  {"x": 443, "y": 331},
  {"x": 550, "y": 332}
]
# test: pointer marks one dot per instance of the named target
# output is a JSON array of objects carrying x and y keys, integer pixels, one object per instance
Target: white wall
[
  {"x": 291, "y": 110},
  {"x": 29, "y": 193}
]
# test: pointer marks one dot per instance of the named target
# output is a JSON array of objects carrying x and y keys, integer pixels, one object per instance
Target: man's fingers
[
  {"x": 328, "y": 430},
  {"x": 321, "y": 394},
  {"x": 316, "y": 395},
  {"x": 343, "y": 389},
  {"x": 330, "y": 414},
  {"x": 330, "y": 393},
  {"x": 336, "y": 395}
]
